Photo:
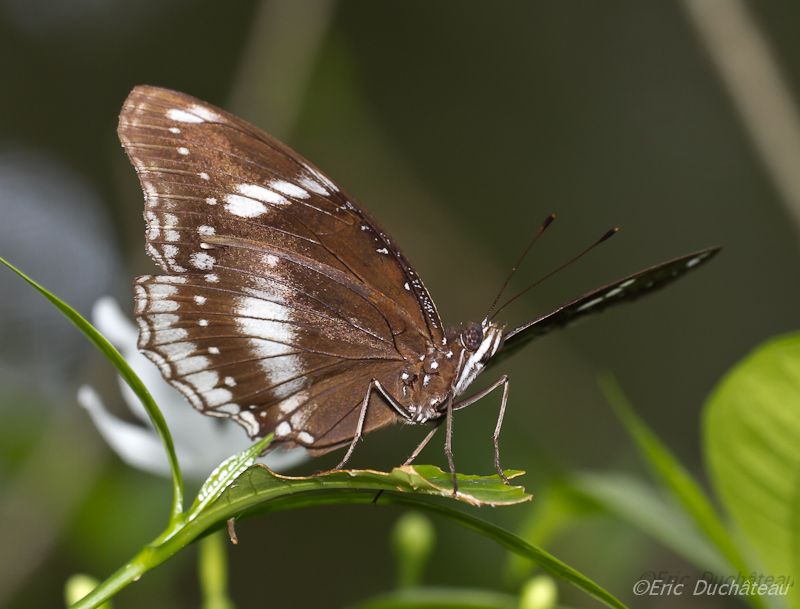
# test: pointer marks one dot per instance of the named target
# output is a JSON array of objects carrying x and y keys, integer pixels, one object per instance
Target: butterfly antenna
[
  {"x": 545, "y": 224},
  {"x": 605, "y": 237}
]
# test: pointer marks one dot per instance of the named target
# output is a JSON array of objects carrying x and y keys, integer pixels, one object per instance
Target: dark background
[{"x": 460, "y": 126}]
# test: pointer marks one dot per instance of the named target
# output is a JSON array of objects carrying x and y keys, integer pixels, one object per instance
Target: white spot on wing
[
  {"x": 161, "y": 291},
  {"x": 244, "y": 207},
  {"x": 212, "y": 278},
  {"x": 174, "y": 130},
  {"x": 205, "y": 230},
  {"x": 163, "y": 337},
  {"x": 213, "y": 350},
  {"x": 211, "y": 201},
  {"x": 163, "y": 306},
  {"x": 383, "y": 250},
  {"x": 262, "y": 194},
  {"x": 230, "y": 409},
  {"x": 182, "y": 150},
  {"x": 271, "y": 339},
  {"x": 201, "y": 300},
  {"x": 205, "y": 380},
  {"x": 249, "y": 421},
  {"x": 305, "y": 437},
  {"x": 282, "y": 430},
  {"x": 153, "y": 226},
  {"x": 693, "y": 262},
  {"x": 202, "y": 261},
  {"x": 170, "y": 252},
  {"x": 589, "y": 304},
  {"x": 313, "y": 186},
  {"x": 628, "y": 283},
  {"x": 322, "y": 179},
  {"x": 289, "y": 189},
  {"x": 204, "y": 176},
  {"x": 230, "y": 381},
  {"x": 170, "y": 279},
  {"x": 144, "y": 331},
  {"x": 290, "y": 404},
  {"x": 183, "y": 117},
  {"x": 205, "y": 114}
]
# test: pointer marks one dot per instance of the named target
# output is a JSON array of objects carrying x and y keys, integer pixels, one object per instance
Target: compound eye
[{"x": 472, "y": 336}]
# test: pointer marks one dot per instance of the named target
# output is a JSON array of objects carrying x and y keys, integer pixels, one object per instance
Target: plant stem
[
  {"x": 130, "y": 572},
  {"x": 213, "y": 572}
]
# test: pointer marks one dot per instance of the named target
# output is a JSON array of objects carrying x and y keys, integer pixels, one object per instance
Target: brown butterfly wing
[
  {"x": 283, "y": 298},
  {"x": 624, "y": 290}
]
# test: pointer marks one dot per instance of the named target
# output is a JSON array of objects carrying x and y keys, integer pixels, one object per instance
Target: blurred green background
[{"x": 460, "y": 126}]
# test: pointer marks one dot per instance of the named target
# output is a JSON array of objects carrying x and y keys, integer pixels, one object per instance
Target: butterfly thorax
[{"x": 425, "y": 383}]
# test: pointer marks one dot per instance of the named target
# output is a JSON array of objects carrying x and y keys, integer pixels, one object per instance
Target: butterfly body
[{"x": 285, "y": 305}]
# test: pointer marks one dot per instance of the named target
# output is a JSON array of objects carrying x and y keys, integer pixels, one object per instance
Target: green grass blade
[
  {"x": 645, "y": 507},
  {"x": 669, "y": 471},
  {"x": 556, "y": 508},
  {"x": 130, "y": 377}
]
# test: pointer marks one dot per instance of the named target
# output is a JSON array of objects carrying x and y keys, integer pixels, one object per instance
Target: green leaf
[
  {"x": 669, "y": 471},
  {"x": 752, "y": 433},
  {"x": 644, "y": 506},
  {"x": 222, "y": 477},
  {"x": 259, "y": 483},
  {"x": 130, "y": 377}
]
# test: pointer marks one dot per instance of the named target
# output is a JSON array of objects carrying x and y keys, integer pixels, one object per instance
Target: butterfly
[{"x": 286, "y": 306}]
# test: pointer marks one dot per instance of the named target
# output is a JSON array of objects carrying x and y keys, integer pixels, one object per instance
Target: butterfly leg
[
  {"x": 374, "y": 384},
  {"x": 422, "y": 444},
  {"x": 496, "y": 433},
  {"x": 417, "y": 450},
  {"x": 503, "y": 380},
  {"x": 360, "y": 427},
  {"x": 448, "y": 443}
]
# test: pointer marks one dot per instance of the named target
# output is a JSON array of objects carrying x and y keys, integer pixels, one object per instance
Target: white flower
[{"x": 201, "y": 442}]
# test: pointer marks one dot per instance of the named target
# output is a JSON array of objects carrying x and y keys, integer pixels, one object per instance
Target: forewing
[
  {"x": 281, "y": 291},
  {"x": 625, "y": 290},
  {"x": 205, "y": 172}
]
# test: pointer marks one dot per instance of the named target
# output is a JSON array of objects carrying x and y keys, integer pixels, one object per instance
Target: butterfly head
[{"x": 478, "y": 342}]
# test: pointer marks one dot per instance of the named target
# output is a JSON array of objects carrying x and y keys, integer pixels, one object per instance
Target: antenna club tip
[
  {"x": 608, "y": 235},
  {"x": 547, "y": 221}
]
